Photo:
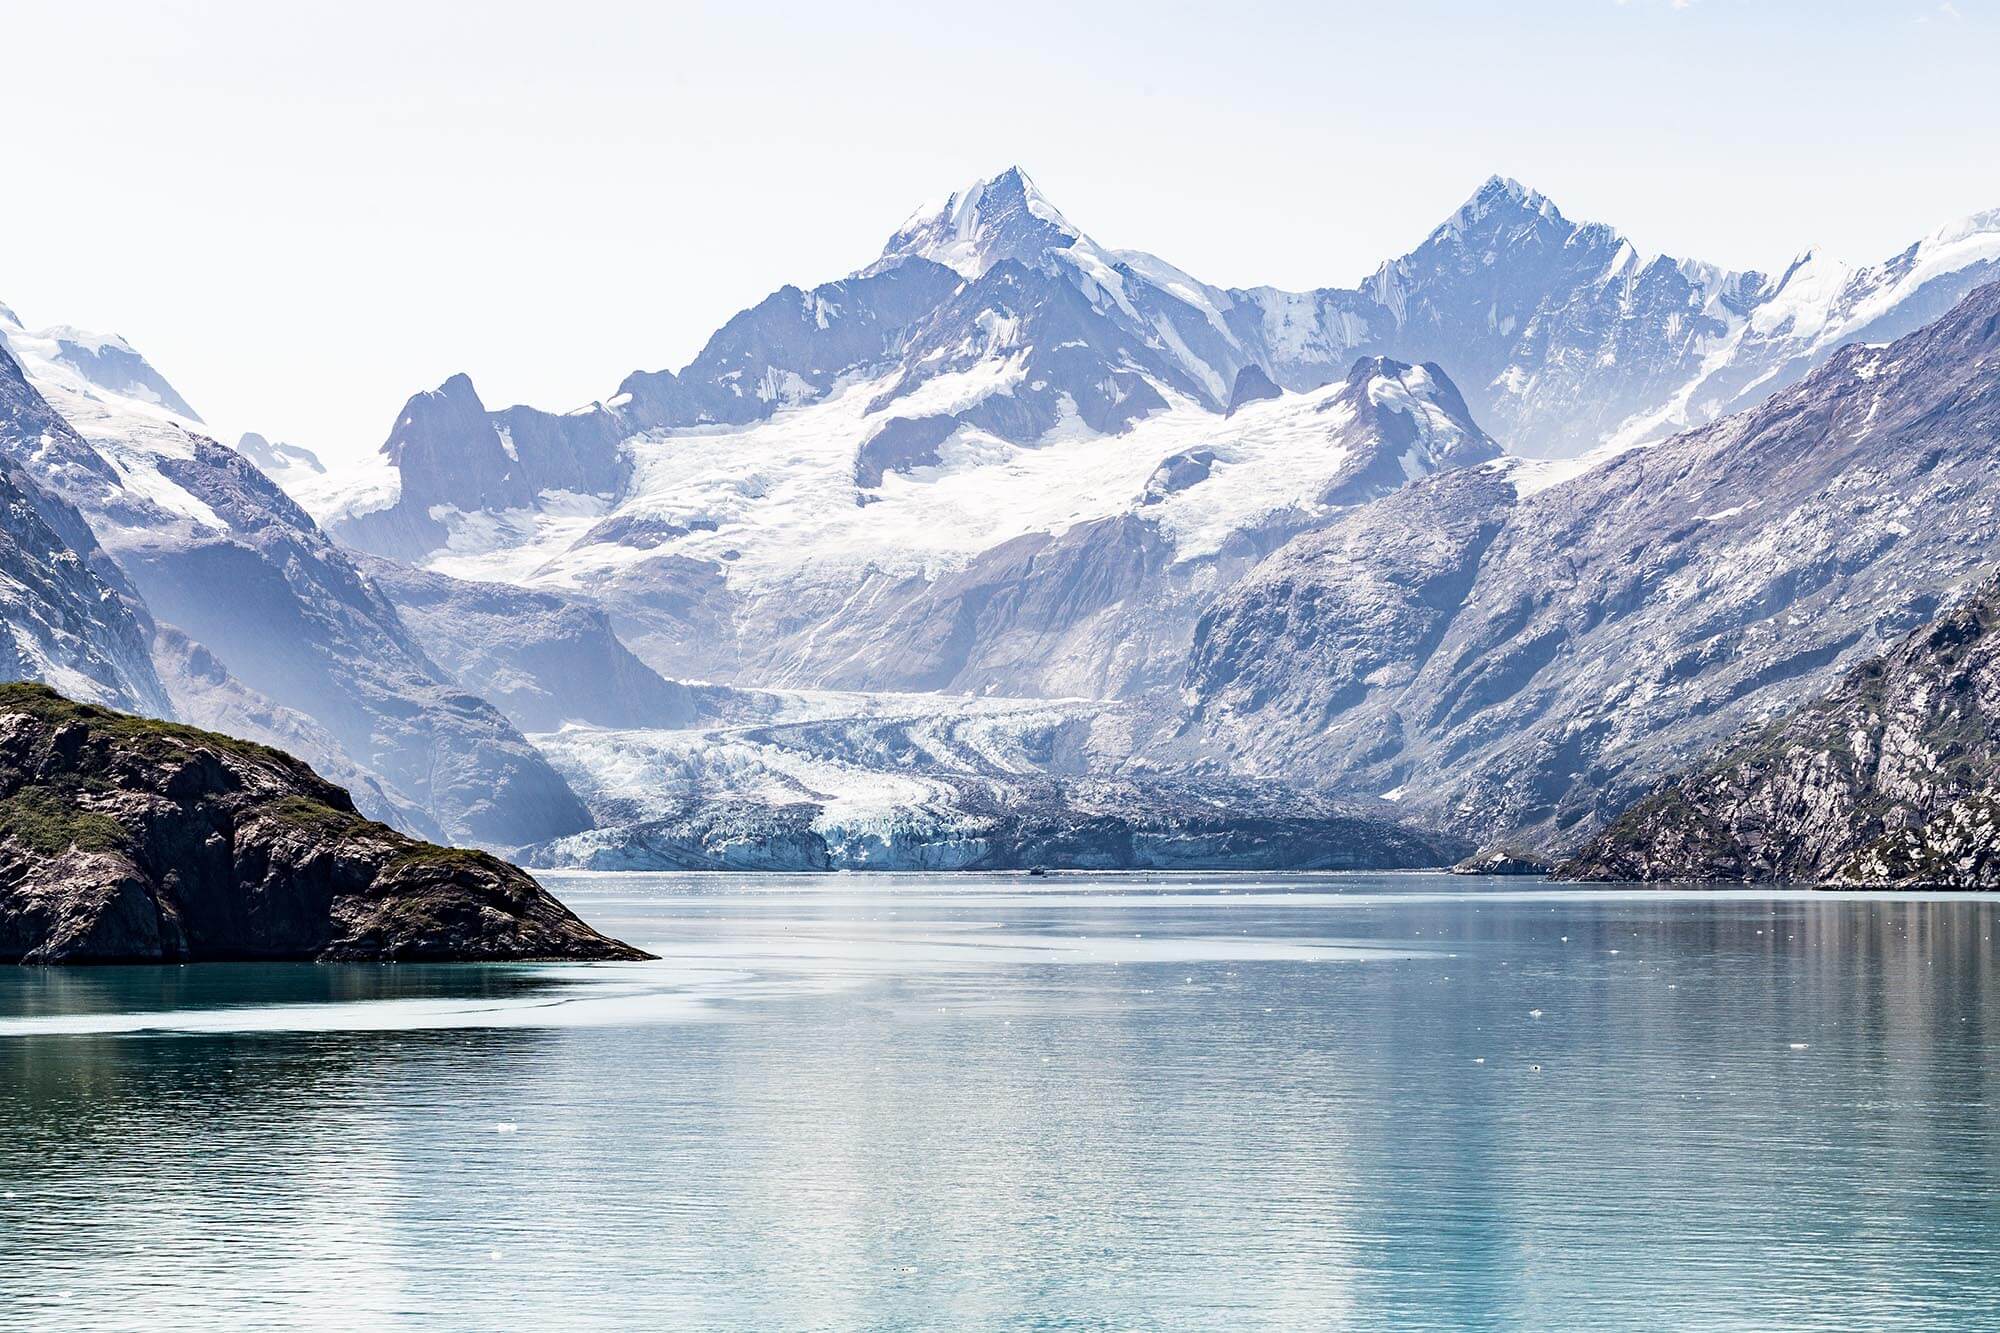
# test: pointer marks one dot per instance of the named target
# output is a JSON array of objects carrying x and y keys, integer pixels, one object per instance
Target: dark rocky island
[
  {"x": 124, "y": 839},
  {"x": 1892, "y": 780}
]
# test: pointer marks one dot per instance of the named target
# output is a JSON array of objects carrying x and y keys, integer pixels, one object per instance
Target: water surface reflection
[{"x": 1194, "y": 1103}]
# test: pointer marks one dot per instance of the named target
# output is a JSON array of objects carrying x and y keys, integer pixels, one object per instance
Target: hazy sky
[{"x": 304, "y": 213}]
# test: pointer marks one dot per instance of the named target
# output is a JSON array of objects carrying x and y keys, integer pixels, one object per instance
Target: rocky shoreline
[{"x": 128, "y": 840}]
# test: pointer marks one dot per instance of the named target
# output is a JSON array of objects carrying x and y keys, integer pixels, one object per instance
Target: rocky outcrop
[
  {"x": 1252, "y": 385},
  {"x": 1891, "y": 779},
  {"x": 1958, "y": 849},
  {"x": 124, "y": 839}
]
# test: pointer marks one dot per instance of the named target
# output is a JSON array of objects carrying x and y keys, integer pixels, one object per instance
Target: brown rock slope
[
  {"x": 124, "y": 839},
  {"x": 1891, "y": 780}
]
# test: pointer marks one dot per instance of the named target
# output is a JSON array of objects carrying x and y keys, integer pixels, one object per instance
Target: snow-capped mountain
[
  {"x": 102, "y": 360},
  {"x": 278, "y": 460},
  {"x": 257, "y": 622},
  {"x": 971, "y": 230},
  {"x": 69, "y": 617},
  {"x": 998, "y": 376},
  {"x": 1511, "y": 656},
  {"x": 1002, "y": 458},
  {"x": 992, "y": 315},
  {"x": 822, "y": 493},
  {"x": 753, "y": 555}
]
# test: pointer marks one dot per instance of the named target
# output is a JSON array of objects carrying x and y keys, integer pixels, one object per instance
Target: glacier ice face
[{"x": 818, "y": 781}]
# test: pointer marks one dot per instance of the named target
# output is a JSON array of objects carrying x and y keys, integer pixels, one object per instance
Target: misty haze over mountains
[{"x": 1010, "y": 547}]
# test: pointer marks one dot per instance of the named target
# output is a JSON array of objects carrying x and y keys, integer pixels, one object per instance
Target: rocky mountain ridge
[
  {"x": 207, "y": 556},
  {"x": 1517, "y": 659},
  {"x": 992, "y": 314}
]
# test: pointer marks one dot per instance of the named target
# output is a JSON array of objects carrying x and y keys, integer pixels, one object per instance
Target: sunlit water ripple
[{"x": 1080, "y": 1102}]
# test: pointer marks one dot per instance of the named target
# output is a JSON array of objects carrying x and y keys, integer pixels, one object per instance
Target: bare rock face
[
  {"x": 1888, "y": 781},
  {"x": 124, "y": 839}
]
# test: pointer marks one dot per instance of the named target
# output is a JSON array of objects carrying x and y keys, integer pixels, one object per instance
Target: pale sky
[{"x": 302, "y": 214}]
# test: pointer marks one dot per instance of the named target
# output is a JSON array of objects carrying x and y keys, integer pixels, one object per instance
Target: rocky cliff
[
  {"x": 1891, "y": 779},
  {"x": 123, "y": 839}
]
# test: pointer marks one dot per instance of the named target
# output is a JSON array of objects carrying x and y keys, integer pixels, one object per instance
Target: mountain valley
[{"x": 1468, "y": 554}]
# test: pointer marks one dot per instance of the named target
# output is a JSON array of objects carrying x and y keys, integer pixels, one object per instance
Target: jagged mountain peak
[
  {"x": 276, "y": 459},
  {"x": 1378, "y": 377},
  {"x": 1402, "y": 422},
  {"x": 458, "y": 386},
  {"x": 1005, "y": 216},
  {"x": 1499, "y": 198},
  {"x": 454, "y": 403}
]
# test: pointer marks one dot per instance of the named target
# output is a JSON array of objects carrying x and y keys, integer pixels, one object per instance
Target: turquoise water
[{"x": 1076, "y": 1102}]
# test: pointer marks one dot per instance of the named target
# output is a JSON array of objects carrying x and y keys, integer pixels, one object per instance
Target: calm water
[{"x": 1110, "y": 1102}]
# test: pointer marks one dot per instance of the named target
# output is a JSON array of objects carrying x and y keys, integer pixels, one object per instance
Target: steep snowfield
[
  {"x": 778, "y": 498},
  {"x": 134, "y": 430},
  {"x": 1821, "y": 303}
]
